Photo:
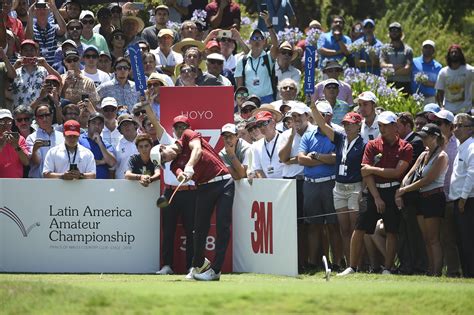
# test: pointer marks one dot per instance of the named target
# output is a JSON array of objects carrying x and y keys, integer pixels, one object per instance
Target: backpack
[{"x": 271, "y": 73}]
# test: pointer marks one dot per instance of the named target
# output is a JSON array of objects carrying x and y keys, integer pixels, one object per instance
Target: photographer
[{"x": 13, "y": 149}]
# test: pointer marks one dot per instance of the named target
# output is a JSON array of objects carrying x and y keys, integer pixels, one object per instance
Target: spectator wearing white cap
[
  {"x": 90, "y": 58},
  {"x": 333, "y": 70},
  {"x": 326, "y": 111},
  {"x": 425, "y": 65},
  {"x": 288, "y": 154},
  {"x": 444, "y": 119},
  {"x": 126, "y": 146},
  {"x": 166, "y": 58},
  {"x": 235, "y": 153},
  {"x": 367, "y": 60},
  {"x": 215, "y": 66},
  {"x": 367, "y": 102},
  {"x": 110, "y": 133},
  {"x": 88, "y": 36},
  {"x": 13, "y": 148},
  {"x": 339, "y": 107}
]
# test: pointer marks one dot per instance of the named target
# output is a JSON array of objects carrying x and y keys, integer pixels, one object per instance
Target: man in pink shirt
[{"x": 13, "y": 149}]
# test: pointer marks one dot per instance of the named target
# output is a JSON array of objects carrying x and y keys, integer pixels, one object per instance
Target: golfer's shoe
[
  {"x": 209, "y": 275},
  {"x": 346, "y": 272},
  {"x": 196, "y": 270},
  {"x": 165, "y": 270},
  {"x": 386, "y": 272}
]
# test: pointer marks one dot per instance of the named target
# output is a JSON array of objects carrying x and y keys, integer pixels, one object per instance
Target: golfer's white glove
[{"x": 189, "y": 171}]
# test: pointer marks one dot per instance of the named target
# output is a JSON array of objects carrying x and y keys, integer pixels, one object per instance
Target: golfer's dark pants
[
  {"x": 465, "y": 224},
  {"x": 183, "y": 205},
  {"x": 221, "y": 196}
]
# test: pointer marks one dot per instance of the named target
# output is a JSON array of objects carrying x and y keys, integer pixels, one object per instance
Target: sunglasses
[
  {"x": 71, "y": 60},
  {"x": 46, "y": 115},
  {"x": 262, "y": 124},
  {"x": 331, "y": 87},
  {"x": 20, "y": 120},
  {"x": 109, "y": 109},
  {"x": 88, "y": 21},
  {"x": 215, "y": 62},
  {"x": 91, "y": 56},
  {"x": 74, "y": 28},
  {"x": 188, "y": 70},
  {"x": 5, "y": 123},
  {"x": 141, "y": 112},
  {"x": 257, "y": 38},
  {"x": 118, "y": 37},
  {"x": 122, "y": 68},
  {"x": 244, "y": 94},
  {"x": 286, "y": 53},
  {"x": 155, "y": 84},
  {"x": 288, "y": 88}
]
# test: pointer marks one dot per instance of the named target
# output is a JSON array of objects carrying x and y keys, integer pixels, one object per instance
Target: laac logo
[
  {"x": 12, "y": 215},
  {"x": 262, "y": 237}
]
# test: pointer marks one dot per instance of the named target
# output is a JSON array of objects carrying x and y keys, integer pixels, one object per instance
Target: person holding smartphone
[{"x": 13, "y": 149}]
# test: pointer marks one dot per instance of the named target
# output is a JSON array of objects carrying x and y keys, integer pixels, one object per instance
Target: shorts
[
  {"x": 347, "y": 195},
  {"x": 367, "y": 220},
  {"x": 432, "y": 206},
  {"x": 318, "y": 200}
]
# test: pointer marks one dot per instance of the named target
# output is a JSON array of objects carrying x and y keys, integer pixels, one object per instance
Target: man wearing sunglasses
[
  {"x": 283, "y": 67},
  {"x": 42, "y": 31},
  {"x": 90, "y": 58},
  {"x": 215, "y": 67},
  {"x": 88, "y": 37},
  {"x": 339, "y": 107},
  {"x": 73, "y": 35},
  {"x": 333, "y": 70}
]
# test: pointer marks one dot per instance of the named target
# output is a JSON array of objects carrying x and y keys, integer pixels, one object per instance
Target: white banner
[
  {"x": 110, "y": 226},
  {"x": 264, "y": 227}
]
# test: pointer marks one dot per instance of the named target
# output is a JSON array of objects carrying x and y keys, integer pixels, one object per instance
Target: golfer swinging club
[{"x": 192, "y": 157}]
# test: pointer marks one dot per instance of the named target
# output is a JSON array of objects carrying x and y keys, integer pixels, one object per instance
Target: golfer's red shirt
[
  {"x": 380, "y": 153},
  {"x": 209, "y": 166}
]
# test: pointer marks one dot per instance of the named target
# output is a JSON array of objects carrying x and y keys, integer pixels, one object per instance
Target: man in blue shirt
[
  {"x": 102, "y": 150},
  {"x": 333, "y": 45},
  {"x": 427, "y": 65},
  {"x": 316, "y": 154},
  {"x": 367, "y": 59}
]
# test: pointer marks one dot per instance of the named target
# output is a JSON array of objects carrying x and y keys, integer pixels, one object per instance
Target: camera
[
  {"x": 84, "y": 97},
  {"x": 73, "y": 167},
  {"x": 45, "y": 143},
  {"x": 224, "y": 34}
]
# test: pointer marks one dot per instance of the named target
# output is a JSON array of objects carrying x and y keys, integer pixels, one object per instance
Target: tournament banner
[
  {"x": 83, "y": 226},
  {"x": 309, "y": 68},
  {"x": 137, "y": 68},
  {"x": 208, "y": 109},
  {"x": 264, "y": 227}
]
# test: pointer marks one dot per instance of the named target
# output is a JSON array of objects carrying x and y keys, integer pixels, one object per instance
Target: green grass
[{"x": 234, "y": 294}]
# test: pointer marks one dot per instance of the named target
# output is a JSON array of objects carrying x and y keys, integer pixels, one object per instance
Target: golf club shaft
[
  {"x": 176, "y": 189},
  {"x": 327, "y": 214}
]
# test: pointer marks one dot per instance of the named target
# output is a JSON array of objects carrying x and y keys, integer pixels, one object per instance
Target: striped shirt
[{"x": 46, "y": 38}]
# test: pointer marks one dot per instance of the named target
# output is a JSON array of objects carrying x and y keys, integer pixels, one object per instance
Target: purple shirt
[{"x": 345, "y": 92}]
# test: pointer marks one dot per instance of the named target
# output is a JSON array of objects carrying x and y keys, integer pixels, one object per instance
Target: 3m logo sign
[{"x": 262, "y": 237}]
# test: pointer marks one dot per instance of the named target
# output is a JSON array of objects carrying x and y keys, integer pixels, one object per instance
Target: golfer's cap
[
  {"x": 395, "y": 25},
  {"x": 91, "y": 47},
  {"x": 367, "y": 96},
  {"x": 155, "y": 155},
  {"x": 69, "y": 42},
  {"x": 352, "y": 118},
  {"x": 108, "y": 101},
  {"x": 215, "y": 56},
  {"x": 85, "y": 13},
  {"x": 429, "y": 129},
  {"x": 431, "y": 108},
  {"x": 72, "y": 128},
  {"x": 231, "y": 128},
  {"x": 387, "y": 117},
  {"x": 263, "y": 116},
  {"x": 445, "y": 114},
  {"x": 52, "y": 77},
  {"x": 29, "y": 42},
  {"x": 165, "y": 31},
  {"x": 331, "y": 81},
  {"x": 324, "y": 107},
  {"x": 429, "y": 42},
  {"x": 96, "y": 115},
  {"x": 5, "y": 113},
  {"x": 181, "y": 119},
  {"x": 368, "y": 21},
  {"x": 299, "y": 108},
  {"x": 248, "y": 103}
]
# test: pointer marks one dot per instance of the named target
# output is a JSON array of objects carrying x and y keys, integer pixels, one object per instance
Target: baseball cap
[
  {"x": 155, "y": 76},
  {"x": 52, "y": 77},
  {"x": 445, "y": 114},
  {"x": 387, "y": 117},
  {"x": 165, "y": 31},
  {"x": 368, "y": 21},
  {"x": 123, "y": 118},
  {"x": 229, "y": 128},
  {"x": 254, "y": 98},
  {"x": 259, "y": 31},
  {"x": 162, "y": 7},
  {"x": 5, "y": 113},
  {"x": 108, "y": 101},
  {"x": 72, "y": 128},
  {"x": 428, "y": 42},
  {"x": 352, "y": 118},
  {"x": 315, "y": 23},
  {"x": 105, "y": 53},
  {"x": 215, "y": 56},
  {"x": 70, "y": 42},
  {"x": 263, "y": 116},
  {"x": 181, "y": 119},
  {"x": 96, "y": 115},
  {"x": 29, "y": 42},
  {"x": 324, "y": 107},
  {"x": 395, "y": 25},
  {"x": 299, "y": 108},
  {"x": 332, "y": 64},
  {"x": 367, "y": 96},
  {"x": 429, "y": 129},
  {"x": 330, "y": 81},
  {"x": 248, "y": 103},
  {"x": 431, "y": 108},
  {"x": 85, "y": 13},
  {"x": 211, "y": 44},
  {"x": 71, "y": 53},
  {"x": 91, "y": 47}
]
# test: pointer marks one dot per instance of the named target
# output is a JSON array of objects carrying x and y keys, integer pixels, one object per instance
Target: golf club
[
  {"x": 163, "y": 202},
  {"x": 328, "y": 271}
]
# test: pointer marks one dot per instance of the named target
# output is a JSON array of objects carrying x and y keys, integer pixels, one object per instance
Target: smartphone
[
  {"x": 28, "y": 60},
  {"x": 224, "y": 34},
  {"x": 40, "y": 5},
  {"x": 45, "y": 143},
  {"x": 73, "y": 167},
  {"x": 84, "y": 97},
  {"x": 263, "y": 7}
]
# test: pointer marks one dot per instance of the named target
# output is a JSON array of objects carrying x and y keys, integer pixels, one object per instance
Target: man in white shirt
[
  {"x": 215, "y": 66},
  {"x": 111, "y": 134},
  {"x": 90, "y": 58},
  {"x": 283, "y": 67},
  {"x": 462, "y": 191},
  {"x": 367, "y": 102},
  {"x": 126, "y": 146},
  {"x": 166, "y": 58}
]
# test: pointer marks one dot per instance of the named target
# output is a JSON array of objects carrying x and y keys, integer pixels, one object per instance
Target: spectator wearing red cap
[
  {"x": 266, "y": 163},
  {"x": 223, "y": 14},
  {"x": 31, "y": 72},
  {"x": 455, "y": 81},
  {"x": 69, "y": 160},
  {"x": 13, "y": 149}
]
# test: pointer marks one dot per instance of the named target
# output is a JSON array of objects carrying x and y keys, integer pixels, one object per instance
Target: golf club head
[{"x": 162, "y": 202}]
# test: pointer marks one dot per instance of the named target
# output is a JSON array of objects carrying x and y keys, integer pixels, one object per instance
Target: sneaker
[
  {"x": 386, "y": 272},
  {"x": 196, "y": 270},
  {"x": 348, "y": 271},
  {"x": 165, "y": 270},
  {"x": 209, "y": 275}
]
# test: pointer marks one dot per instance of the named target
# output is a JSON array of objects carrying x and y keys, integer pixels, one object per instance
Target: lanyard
[
  {"x": 258, "y": 64},
  {"x": 273, "y": 150},
  {"x": 346, "y": 148},
  {"x": 69, "y": 156}
]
